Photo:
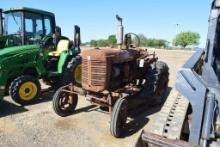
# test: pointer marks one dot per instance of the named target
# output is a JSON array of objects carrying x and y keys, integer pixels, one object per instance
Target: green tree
[
  {"x": 185, "y": 39},
  {"x": 112, "y": 41},
  {"x": 144, "y": 41},
  {"x": 93, "y": 43},
  {"x": 162, "y": 43},
  {"x": 102, "y": 43},
  {"x": 151, "y": 42}
]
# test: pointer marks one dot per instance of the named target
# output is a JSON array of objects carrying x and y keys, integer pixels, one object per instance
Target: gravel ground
[{"x": 37, "y": 125}]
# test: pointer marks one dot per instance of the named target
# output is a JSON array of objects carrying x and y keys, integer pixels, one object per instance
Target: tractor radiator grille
[{"x": 94, "y": 74}]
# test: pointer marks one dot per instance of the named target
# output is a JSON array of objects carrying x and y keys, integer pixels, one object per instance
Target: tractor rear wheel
[
  {"x": 163, "y": 79},
  {"x": 25, "y": 89},
  {"x": 156, "y": 84},
  {"x": 73, "y": 72},
  {"x": 64, "y": 103},
  {"x": 119, "y": 117}
]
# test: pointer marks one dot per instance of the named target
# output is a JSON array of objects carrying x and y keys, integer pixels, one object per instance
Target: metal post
[
  {"x": 177, "y": 28},
  {"x": 208, "y": 119},
  {"x": 1, "y": 23}
]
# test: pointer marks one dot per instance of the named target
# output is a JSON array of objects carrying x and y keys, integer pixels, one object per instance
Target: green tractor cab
[
  {"x": 25, "y": 26},
  {"x": 32, "y": 48}
]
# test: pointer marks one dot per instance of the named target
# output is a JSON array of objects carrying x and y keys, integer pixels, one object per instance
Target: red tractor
[{"x": 120, "y": 80}]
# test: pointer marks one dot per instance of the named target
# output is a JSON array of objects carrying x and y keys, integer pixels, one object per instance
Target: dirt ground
[{"x": 37, "y": 125}]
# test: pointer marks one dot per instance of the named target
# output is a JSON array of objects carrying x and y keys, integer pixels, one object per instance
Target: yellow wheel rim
[
  {"x": 78, "y": 73},
  {"x": 28, "y": 91}
]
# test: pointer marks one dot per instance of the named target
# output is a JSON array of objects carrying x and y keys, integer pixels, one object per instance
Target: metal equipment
[
  {"x": 120, "y": 80},
  {"x": 195, "y": 122}
]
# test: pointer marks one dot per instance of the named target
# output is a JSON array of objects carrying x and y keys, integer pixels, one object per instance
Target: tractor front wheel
[
  {"x": 64, "y": 103},
  {"x": 25, "y": 89},
  {"x": 119, "y": 117}
]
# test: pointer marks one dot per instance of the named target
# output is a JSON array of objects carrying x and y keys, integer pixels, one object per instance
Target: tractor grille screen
[{"x": 94, "y": 75}]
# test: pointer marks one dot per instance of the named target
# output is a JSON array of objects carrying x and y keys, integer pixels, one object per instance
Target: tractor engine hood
[
  {"x": 8, "y": 41},
  {"x": 10, "y": 51}
]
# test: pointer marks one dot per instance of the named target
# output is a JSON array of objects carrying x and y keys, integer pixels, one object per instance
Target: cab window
[
  {"x": 47, "y": 25},
  {"x": 33, "y": 28},
  {"x": 13, "y": 27}
]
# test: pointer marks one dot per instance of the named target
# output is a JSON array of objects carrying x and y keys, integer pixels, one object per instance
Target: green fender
[
  {"x": 62, "y": 61},
  {"x": 64, "y": 57}
]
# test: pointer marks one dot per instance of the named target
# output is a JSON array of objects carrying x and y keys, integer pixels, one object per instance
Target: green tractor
[{"x": 32, "y": 48}]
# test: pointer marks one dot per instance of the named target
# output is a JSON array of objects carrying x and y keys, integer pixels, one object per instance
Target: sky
[{"x": 153, "y": 18}]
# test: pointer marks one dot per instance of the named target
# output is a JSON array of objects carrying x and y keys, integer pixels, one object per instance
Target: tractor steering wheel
[
  {"x": 132, "y": 42},
  {"x": 47, "y": 42}
]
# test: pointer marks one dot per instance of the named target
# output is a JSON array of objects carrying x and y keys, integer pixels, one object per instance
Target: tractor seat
[{"x": 62, "y": 45}]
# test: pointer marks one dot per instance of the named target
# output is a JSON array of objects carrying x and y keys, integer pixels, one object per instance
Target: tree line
[
  {"x": 111, "y": 42},
  {"x": 183, "y": 39}
]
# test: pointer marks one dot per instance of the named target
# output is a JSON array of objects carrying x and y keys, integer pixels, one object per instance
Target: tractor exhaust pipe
[
  {"x": 1, "y": 23},
  {"x": 120, "y": 32},
  {"x": 77, "y": 37}
]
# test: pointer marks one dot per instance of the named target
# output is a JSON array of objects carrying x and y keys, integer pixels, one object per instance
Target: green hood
[{"x": 5, "y": 52}]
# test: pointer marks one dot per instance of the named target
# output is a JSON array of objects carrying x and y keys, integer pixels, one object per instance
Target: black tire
[
  {"x": 163, "y": 78},
  {"x": 69, "y": 73},
  {"x": 119, "y": 117},
  {"x": 23, "y": 94},
  {"x": 60, "y": 98},
  {"x": 156, "y": 83}
]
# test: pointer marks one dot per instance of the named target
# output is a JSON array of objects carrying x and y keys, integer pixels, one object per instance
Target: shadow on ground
[
  {"x": 85, "y": 109},
  {"x": 46, "y": 95},
  {"x": 9, "y": 108},
  {"x": 139, "y": 119}
]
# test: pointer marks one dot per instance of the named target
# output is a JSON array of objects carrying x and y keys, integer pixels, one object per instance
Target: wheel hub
[{"x": 28, "y": 91}]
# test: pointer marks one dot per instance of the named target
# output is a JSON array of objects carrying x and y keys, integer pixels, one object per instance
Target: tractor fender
[
  {"x": 31, "y": 71},
  {"x": 64, "y": 57}
]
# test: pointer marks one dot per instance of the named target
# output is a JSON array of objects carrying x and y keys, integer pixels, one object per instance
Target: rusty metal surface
[
  {"x": 97, "y": 64},
  {"x": 73, "y": 89},
  {"x": 97, "y": 67},
  {"x": 94, "y": 75},
  {"x": 153, "y": 140}
]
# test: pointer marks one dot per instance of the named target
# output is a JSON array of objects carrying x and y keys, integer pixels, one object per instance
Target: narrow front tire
[
  {"x": 119, "y": 118},
  {"x": 64, "y": 103}
]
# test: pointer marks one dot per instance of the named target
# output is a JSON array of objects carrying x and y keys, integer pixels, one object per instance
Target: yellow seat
[{"x": 62, "y": 45}]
